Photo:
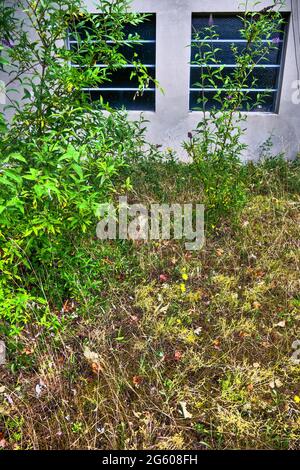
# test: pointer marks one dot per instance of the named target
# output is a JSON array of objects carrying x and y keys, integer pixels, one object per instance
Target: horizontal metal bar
[
  {"x": 117, "y": 89},
  {"x": 265, "y": 41},
  {"x": 272, "y": 90},
  {"x": 127, "y": 66},
  {"x": 234, "y": 66},
  {"x": 138, "y": 41}
]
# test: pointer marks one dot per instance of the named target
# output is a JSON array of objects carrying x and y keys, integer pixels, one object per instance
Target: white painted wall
[{"x": 172, "y": 120}]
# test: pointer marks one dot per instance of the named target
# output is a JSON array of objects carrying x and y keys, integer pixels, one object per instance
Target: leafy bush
[
  {"x": 52, "y": 75},
  {"x": 62, "y": 155},
  {"x": 216, "y": 147}
]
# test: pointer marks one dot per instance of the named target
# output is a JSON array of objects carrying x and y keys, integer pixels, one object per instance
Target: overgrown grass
[{"x": 142, "y": 363}]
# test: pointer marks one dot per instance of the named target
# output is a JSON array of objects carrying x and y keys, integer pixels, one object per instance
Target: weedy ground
[{"x": 170, "y": 349}]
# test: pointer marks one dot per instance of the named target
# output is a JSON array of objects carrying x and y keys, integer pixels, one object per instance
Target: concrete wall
[{"x": 172, "y": 120}]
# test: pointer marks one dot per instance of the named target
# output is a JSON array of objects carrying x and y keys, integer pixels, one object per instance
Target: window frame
[
  {"x": 280, "y": 65},
  {"x": 152, "y": 89}
]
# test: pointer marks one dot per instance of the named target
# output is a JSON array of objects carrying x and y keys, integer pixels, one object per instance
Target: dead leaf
[
  {"x": 275, "y": 384},
  {"x": 68, "y": 307},
  {"x": 39, "y": 388},
  {"x": 242, "y": 334},
  {"x": 134, "y": 319},
  {"x": 281, "y": 324},
  {"x": 137, "y": 379},
  {"x": 9, "y": 399},
  {"x": 256, "y": 305},
  {"x": 184, "y": 410},
  {"x": 217, "y": 344},
  {"x": 177, "y": 355},
  {"x": 90, "y": 355},
  {"x": 3, "y": 443},
  {"x": 28, "y": 351},
  {"x": 198, "y": 330},
  {"x": 96, "y": 368}
]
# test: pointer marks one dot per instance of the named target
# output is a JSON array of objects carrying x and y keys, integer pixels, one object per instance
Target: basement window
[
  {"x": 267, "y": 74},
  {"x": 122, "y": 90}
]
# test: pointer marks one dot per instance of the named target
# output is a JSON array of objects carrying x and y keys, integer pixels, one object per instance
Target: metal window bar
[
  {"x": 217, "y": 41},
  {"x": 69, "y": 42}
]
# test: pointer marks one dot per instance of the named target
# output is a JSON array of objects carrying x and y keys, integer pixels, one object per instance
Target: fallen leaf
[
  {"x": 3, "y": 443},
  {"x": 281, "y": 324},
  {"x": 9, "y": 399},
  {"x": 28, "y": 351},
  {"x": 60, "y": 359},
  {"x": 184, "y": 410},
  {"x": 90, "y": 355},
  {"x": 68, "y": 307},
  {"x": 217, "y": 344},
  {"x": 137, "y": 379},
  {"x": 134, "y": 319},
  {"x": 96, "y": 368},
  {"x": 198, "y": 330},
  {"x": 259, "y": 274},
  {"x": 177, "y": 355},
  {"x": 278, "y": 383},
  {"x": 242, "y": 334},
  {"x": 39, "y": 388},
  {"x": 296, "y": 344},
  {"x": 275, "y": 384}
]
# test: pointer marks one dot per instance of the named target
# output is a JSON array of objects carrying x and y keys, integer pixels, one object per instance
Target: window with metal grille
[
  {"x": 122, "y": 90},
  {"x": 267, "y": 74}
]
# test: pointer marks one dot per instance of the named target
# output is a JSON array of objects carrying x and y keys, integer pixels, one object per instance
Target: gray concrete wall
[{"x": 172, "y": 120}]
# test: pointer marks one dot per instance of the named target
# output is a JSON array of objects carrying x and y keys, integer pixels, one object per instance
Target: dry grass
[{"x": 145, "y": 366}]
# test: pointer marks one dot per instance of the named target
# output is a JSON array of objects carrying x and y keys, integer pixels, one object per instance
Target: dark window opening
[
  {"x": 267, "y": 74},
  {"x": 122, "y": 90}
]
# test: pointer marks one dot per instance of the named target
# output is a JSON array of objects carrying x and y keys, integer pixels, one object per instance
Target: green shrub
[
  {"x": 216, "y": 147},
  {"x": 50, "y": 189},
  {"x": 61, "y": 155}
]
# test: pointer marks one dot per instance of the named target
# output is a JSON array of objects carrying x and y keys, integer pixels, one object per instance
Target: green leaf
[{"x": 77, "y": 168}]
